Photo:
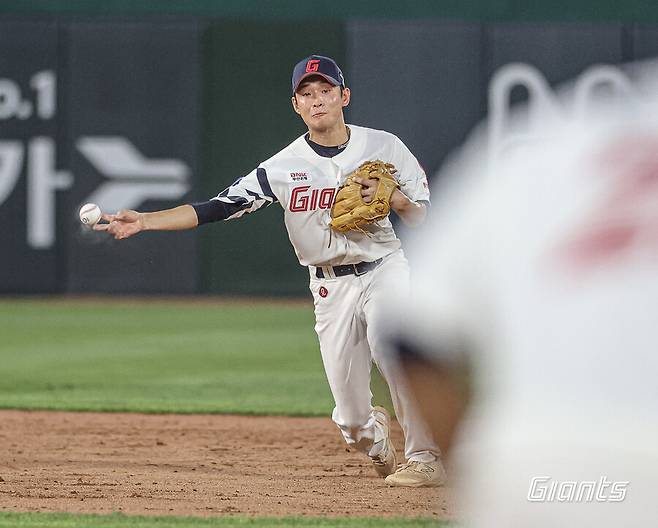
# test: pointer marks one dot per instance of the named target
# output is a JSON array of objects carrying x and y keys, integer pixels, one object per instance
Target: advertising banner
[{"x": 95, "y": 112}]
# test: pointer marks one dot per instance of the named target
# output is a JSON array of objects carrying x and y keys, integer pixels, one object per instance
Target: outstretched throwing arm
[
  {"x": 127, "y": 223},
  {"x": 246, "y": 195}
]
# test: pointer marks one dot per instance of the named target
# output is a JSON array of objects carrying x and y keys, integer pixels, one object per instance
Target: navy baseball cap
[{"x": 317, "y": 65}]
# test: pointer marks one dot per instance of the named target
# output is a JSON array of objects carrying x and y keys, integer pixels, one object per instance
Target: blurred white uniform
[{"x": 546, "y": 268}]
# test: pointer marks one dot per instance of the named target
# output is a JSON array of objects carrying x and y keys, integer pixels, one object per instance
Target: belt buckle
[{"x": 356, "y": 270}]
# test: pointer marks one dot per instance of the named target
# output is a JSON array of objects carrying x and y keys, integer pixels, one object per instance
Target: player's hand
[
  {"x": 124, "y": 224},
  {"x": 368, "y": 188}
]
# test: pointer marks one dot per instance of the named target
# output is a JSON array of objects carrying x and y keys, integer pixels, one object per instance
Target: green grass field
[
  {"x": 160, "y": 356},
  {"x": 166, "y": 356},
  {"x": 62, "y": 520}
]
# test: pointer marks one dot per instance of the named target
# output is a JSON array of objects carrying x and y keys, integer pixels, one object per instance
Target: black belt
[{"x": 350, "y": 269}]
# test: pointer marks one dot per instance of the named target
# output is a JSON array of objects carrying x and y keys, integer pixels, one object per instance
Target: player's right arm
[
  {"x": 245, "y": 195},
  {"x": 127, "y": 223}
]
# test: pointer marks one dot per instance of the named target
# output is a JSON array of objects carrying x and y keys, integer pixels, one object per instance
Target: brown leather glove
[{"x": 350, "y": 211}]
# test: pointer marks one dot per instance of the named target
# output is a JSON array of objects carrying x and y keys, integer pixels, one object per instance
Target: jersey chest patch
[
  {"x": 303, "y": 198},
  {"x": 299, "y": 177}
]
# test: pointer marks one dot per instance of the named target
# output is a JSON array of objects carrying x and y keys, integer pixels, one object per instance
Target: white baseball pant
[{"x": 347, "y": 319}]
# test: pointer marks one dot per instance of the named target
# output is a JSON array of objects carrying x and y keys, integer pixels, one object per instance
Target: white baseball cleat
[
  {"x": 386, "y": 460},
  {"x": 415, "y": 474}
]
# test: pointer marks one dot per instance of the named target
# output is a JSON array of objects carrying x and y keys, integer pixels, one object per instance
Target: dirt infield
[{"x": 194, "y": 465}]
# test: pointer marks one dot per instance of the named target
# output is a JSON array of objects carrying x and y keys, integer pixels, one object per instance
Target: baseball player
[
  {"x": 543, "y": 276},
  {"x": 349, "y": 271}
]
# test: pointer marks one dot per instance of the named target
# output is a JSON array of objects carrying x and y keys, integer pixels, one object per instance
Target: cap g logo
[{"x": 312, "y": 65}]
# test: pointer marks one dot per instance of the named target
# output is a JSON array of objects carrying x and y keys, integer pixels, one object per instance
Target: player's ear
[
  {"x": 294, "y": 103},
  {"x": 346, "y": 96}
]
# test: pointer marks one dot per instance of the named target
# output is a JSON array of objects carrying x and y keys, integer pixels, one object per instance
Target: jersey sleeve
[
  {"x": 411, "y": 176},
  {"x": 245, "y": 195}
]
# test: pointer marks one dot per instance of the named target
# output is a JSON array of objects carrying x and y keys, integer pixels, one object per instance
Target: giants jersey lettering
[
  {"x": 305, "y": 184},
  {"x": 303, "y": 198}
]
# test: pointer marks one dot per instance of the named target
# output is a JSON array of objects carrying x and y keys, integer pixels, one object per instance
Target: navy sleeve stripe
[
  {"x": 216, "y": 210},
  {"x": 239, "y": 200},
  {"x": 264, "y": 184}
]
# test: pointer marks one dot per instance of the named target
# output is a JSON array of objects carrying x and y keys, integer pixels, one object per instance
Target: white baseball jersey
[
  {"x": 547, "y": 267},
  {"x": 305, "y": 184}
]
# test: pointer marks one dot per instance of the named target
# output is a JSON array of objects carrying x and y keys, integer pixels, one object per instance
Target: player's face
[{"x": 320, "y": 104}]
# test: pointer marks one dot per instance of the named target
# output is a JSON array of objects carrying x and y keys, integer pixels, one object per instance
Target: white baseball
[{"x": 90, "y": 214}]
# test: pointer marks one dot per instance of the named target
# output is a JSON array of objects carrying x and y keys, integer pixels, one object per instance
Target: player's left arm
[
  {"x": 410, "y": 201},
  {"x": 412, "y": 213}
]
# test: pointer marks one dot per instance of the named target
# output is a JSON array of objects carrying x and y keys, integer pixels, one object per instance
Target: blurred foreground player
[
  {"x": 537, "y": 300},
  {"x": 350, "y": 271}
]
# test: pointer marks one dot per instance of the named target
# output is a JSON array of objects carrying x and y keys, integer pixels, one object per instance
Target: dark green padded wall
[
  {"x": 485, "y": 10},
  {"x": 248, "y": 118}
]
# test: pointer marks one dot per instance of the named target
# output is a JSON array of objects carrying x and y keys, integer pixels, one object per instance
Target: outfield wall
[{"x": 149, "y": 111}]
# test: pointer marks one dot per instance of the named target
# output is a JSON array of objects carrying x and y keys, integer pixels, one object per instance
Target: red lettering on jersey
[
  {"x": 301, "y": 200},
  {"x": 312, "y": 65},
  {"x": 297, "y": 203},
  {"x": 627, "y": 218},
  {"x": 314, "y": 199},
  {"x": 327, "y": 198}
]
